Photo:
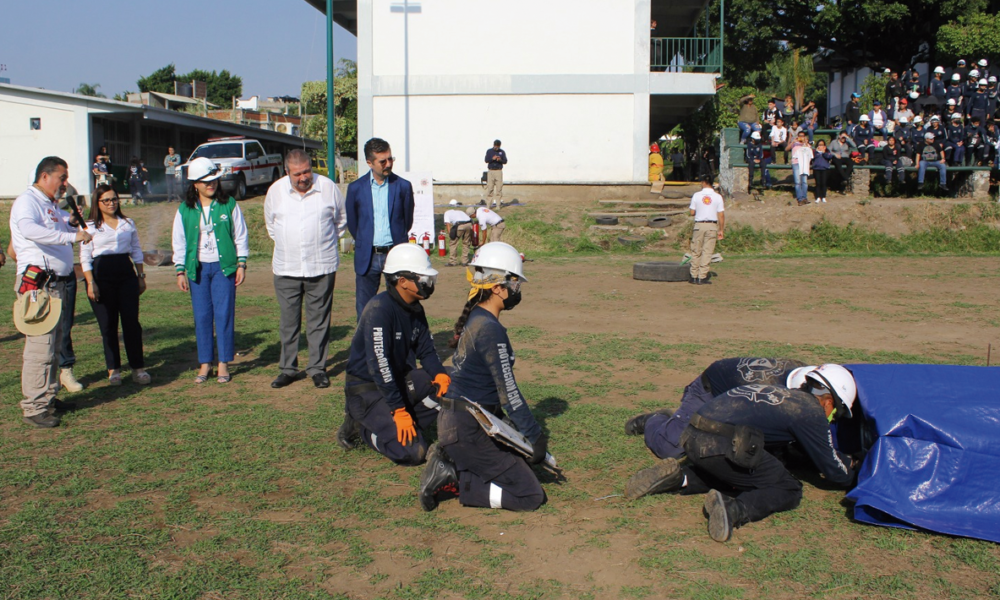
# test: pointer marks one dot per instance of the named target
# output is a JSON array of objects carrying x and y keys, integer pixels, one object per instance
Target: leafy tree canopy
[
  {"x": 89, "y": 89},
  {"x": 345, "y": 101},
  {"x": 972, "y": 37},
  {"x": 222, "y": 85}
]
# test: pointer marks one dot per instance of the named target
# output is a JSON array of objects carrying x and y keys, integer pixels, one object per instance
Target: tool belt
[
  {"x": 463, "y": 404},
  {"x": 354, "y": 386},
  {"x": 747, "y": 443}
]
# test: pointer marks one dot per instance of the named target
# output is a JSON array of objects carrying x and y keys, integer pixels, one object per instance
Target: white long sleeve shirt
[
  {"x": 206, "y": 238},
  {"x": 41, "y": 234},
  {"x": 108, "y": 240},
  {"x": 305, "y": 227}
]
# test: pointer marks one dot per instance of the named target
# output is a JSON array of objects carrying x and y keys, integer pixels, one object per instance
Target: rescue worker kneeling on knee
[
  {"x": 466, "y": 461},
  {"x": 725, "y": 449},
  {"x": 662, "y": 429},
  {"x": 382, "y": 395}
]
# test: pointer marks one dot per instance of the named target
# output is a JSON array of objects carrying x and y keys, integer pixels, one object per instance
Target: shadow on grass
[{"x": 544, "y": 410}]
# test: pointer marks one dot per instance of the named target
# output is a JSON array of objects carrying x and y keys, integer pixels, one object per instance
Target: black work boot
[
  {"x": 724, "y": 515},
  {"x": 43, "y": 420},
  {"x": 664, "y": 476},
  {"x": 439, "y": 477},
  {"x": 637, "y": 424},
  {"x": 348, "y": 432}
]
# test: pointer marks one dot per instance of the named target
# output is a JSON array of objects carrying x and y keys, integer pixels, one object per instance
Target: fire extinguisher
[
  {"x": 426, "y": 243},
  {"x": 442, "y": 245},
  {"x": 413, "y": 238},
  {"x": 475, "y": 233}
]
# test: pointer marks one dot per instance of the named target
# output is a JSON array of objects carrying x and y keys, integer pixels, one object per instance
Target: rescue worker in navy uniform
[
  {"x": 663, "y": 428},
  {"x": 466, "y": 461},
  {"x": 725, "y": 449},
  {"x": 383, "y": 390}
]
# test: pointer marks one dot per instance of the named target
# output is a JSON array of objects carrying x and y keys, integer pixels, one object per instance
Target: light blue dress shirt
[{"x": 380, "y": 213}]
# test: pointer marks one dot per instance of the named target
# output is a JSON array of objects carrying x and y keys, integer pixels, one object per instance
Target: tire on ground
[
  {"x": 661, "y": 271},
  {"x": 629, "y": 241},
  {"x": 673, "y": 195},
  {"x": 606, "y": 220},
  {"x": 659, "y": 222}
]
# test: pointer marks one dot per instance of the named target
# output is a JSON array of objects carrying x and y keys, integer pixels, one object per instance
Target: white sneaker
[
  {"x": 818, "y": 200},
  {"x": 68, "y": 381},
  {"x": 824, "y": 200}
]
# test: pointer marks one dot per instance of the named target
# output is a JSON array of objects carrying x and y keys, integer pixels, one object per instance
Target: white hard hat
[
  {"x": 755, "y": 135},
  {"x": 918, "y": 119},
  {"x": 982, "y": 62},
  {"x": 935, "y": 118},
  {"x": 974, "y": 73},
  {"x": 408, "y": 258},
  {"x": 956, "y": 117},
  {"x": 956, "y": 77},
  {"x": 914, "y": 94},
  {"x": 203, "y": 170},
  {"x": 497, "y": 258},
  {"x": 992, "y": 79},
  {"x": 928, "y": 136},
  {"x": 983, "y": 82},
  {"x": 865, "y": 118},
  {"x": 838, "y": 380},
  {"x": 887, "y": 71},
  {"x": 939, "y": 70},
  {"x": 903, "y": 120},
  {"x": 453, "y": 202},
  {"x": 798, "y": 376},
  {"x": 952, "y": 102}
]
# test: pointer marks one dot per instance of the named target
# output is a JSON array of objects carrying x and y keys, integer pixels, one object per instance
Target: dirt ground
[{"x": 577, "y": 315}]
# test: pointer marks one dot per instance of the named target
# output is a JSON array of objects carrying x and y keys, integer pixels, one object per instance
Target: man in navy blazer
[{"x": 379, "y": 216}]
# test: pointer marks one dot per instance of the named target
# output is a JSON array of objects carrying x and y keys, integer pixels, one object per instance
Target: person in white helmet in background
[
  {"x": 466, "y": 461},
  {"x": 726, "y": 456},
  {"x": 387, "y": 401},
  {"x": 938, "y": 89}
]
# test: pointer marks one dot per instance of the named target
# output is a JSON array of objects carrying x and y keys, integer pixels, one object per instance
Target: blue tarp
[{"x": 936, "y": 461}]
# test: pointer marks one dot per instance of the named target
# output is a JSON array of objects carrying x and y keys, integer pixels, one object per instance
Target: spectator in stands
[
  {"x": 852, "y": 114},
  {"x": 992, "y": 91},
  {"x": 748, "y": 118},
  {"x": 802, "y": 155},
  {"x": 788, "y": 112},
  {"x": 903, "y": 112},
  {"x": 755, "y": 158},
  {"x": 931, "y": 154},
  {"x": 892, "y": 156},
  {"x": 954, "y": 90},
  {"x": 893, "y": 90},
  {"x": 904, "y": 134},
  {"x": 841, "y": 148},
  {"x": 954, "y": 142},
  {"x": 984, "y": 68},
  {"x": 771, "y": 114},
  {"x": 821, "y": 169},
  {"x": 878, "y": 119},
  {"x": 913, "y": 88},
  {"x": 978, "y": 104},
  {"x": 793, "y": 130},
  {"x": 938, "y": 89},
  {"x": 975, "y": 141},
  {"x": 864, "y": 138},
  {"x": 992, "y": 141},
  {"x": 810, "y": 119},
  {"x": 960, "y": 70},
  {"x": 971, "y": 86},
  {"x": 937, "y": 129},
  {"x": 779, "y": 141}
]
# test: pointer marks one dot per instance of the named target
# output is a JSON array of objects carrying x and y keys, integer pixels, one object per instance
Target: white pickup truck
[{"x": 243, "y": 162}]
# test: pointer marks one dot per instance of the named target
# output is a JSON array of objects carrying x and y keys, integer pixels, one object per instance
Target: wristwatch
[{"x": 142, "y": 275}]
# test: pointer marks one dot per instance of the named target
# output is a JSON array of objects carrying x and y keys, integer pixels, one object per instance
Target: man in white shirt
[
  {"x": 707, "y": 209},
  {"x": 490, "y": 218},
  {"x": 305, "y": 215},
  {"x": 459, "y": 226},
  {"x": 43, "y": 237}
]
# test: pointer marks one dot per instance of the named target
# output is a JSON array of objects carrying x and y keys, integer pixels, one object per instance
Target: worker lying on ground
[
  {"x": 725, "y": 440},
  {"x": 663, "y": 428}
]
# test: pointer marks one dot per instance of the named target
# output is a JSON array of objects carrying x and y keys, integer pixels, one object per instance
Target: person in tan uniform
[{"x": 707, "y": 208}]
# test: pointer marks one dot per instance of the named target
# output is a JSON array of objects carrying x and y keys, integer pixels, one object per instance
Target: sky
[{"x": 274, "y": 45}]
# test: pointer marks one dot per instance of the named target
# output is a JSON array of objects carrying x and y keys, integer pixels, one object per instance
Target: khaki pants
[
  {"x": 496, "y": 231},
  {"x": 463, "y": 241},
  {"x": 40, "y": 367},
  {"x": 702, "y": 248},
  {"x": 494, "y": 180}
]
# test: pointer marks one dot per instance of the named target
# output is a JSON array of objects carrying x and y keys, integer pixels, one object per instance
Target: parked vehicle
[{"x": 243, "y": 162}]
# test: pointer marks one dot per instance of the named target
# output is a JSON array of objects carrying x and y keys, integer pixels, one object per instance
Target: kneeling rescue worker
[
  {"x": 466, "y": 461},
  {"x": 663, "y": 428},
  {"x": 725, "y": 446},
  {"x": 387, "y": 401}
]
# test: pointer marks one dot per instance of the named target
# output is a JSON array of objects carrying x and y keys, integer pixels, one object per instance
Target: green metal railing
[{"x": 686, "y": 55}]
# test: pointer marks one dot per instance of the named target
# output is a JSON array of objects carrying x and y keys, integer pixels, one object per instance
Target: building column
[
  {"x": 366, "y": 112},
  {"x": 640, "y": 104}
]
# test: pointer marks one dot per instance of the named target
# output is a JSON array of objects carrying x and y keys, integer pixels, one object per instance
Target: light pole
[{"x": 331, "y": 144}]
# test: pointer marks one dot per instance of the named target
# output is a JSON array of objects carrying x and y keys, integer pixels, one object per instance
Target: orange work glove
[
  {"x": 405, "y": 431},
  {"x": 442, "y": 381}
]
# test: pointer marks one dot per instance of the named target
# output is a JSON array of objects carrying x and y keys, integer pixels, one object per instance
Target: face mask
[
  {"x": 425, "y": 289},
  {"x": 513, "y": 299}
]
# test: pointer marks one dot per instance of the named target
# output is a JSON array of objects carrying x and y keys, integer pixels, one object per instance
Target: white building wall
[
  {"x": 575, "y": 138},
  {"x": 21, "y": 149}
]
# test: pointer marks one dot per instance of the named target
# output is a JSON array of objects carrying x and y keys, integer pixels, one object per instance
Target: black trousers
[
  {"x": 845, "y": 168},
  {"x": 490, "y": 475},
  {"x": 764, "y": 490},
  {"x": 118, "y": 300},
  {"x": 366, "y": 405},
  {"x": 821, "y": 175}
]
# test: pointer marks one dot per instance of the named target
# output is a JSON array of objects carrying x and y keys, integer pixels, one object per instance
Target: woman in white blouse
[{"x": 112, "y": 266}]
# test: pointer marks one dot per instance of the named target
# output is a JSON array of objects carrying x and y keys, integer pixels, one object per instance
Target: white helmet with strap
[
  {"x": 841, "y": 384},
  {"x": 798, "y": 376},
  {"x": 495, "y": 263}
]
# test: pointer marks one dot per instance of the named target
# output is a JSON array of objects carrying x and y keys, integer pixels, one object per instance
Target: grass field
[{"x": 239, "y": 491}]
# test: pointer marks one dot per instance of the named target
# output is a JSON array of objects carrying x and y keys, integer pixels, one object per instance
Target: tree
[
  {"x": 89, "y": 89},
  {"x": 973, "y": 37},
  {"x": 345, "y": 100},
  {"x": 222, "y": 86},
  {"x": 160, "y": 80}
]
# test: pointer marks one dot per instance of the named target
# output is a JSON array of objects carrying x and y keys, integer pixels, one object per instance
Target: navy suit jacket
[{"x": 360, "y": 217}]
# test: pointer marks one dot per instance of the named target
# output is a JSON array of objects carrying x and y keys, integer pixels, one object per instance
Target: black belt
[
  {"x": 381, "y": 249},
  {"x": 706, "y": 221},
  {"x": 64, "y": 278},
  {"x": 356, "y": 385}
]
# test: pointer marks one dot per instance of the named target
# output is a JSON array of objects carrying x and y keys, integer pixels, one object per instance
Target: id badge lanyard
[{"x": 208, "y": 227}]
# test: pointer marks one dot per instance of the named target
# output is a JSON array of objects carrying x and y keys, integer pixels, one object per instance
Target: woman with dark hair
[
  {"x": 112, "y": 267},
  {"x": 466, "y": 461},
  {"x": 210, "y": 245}
]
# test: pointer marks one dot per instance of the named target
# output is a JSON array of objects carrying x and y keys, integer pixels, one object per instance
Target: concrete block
[
  {"x": 976, "y": 186},
  {"x": 861, "y": 180}
]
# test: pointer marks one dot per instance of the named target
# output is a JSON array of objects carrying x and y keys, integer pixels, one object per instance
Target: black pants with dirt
[
  {"x": 490, "y": 475},
  {"x": 764, "y": 490},
  {"x": 366, "y": 405}
]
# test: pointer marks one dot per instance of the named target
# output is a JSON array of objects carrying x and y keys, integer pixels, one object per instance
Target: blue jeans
[
  {"x": 801, "y": 183},
  {"x": 810, "y": 131},
  {"x": 213, "y": 299},
  {"x": 366, "y": 284},
  {"x": 942, "y": 172},
  {"x": 746, "y": 129},
  {"x": 66, "y": 356}
]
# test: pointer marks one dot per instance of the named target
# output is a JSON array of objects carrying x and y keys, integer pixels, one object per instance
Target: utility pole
[{"x": 331, "y": 145}]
